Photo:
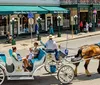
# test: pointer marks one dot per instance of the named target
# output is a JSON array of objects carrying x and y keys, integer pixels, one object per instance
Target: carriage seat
[
  {"x": 15, "y": 62},
  {"x": 3, "y": 57}
]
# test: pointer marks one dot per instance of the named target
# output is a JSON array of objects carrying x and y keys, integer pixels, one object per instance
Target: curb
[
  {"x": 69, "y": 39},
  {"x": 79, "y": 37}
]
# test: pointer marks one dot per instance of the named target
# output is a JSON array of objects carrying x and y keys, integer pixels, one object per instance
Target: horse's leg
[
  {"x": 86, "y": 67},
  {"x": 76, "y": 66},
  {"x": 98, "y": 70}
]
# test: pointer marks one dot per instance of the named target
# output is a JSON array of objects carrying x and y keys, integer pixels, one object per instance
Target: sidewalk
[{"x": 26, "y": 43}]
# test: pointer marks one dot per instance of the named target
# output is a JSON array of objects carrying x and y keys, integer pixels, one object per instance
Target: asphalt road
[{"x": 43, "y": 78}]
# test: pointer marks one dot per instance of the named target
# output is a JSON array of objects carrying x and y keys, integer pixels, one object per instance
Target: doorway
[{"x": 84, "y": 17}]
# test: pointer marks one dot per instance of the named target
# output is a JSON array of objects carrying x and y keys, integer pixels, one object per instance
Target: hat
[{"x": 50, "y": 36}]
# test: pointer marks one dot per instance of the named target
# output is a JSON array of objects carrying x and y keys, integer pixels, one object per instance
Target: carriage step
[{"x": 20, "y": 78}]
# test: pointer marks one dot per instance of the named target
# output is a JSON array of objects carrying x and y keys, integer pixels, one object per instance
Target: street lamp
[
  {"x": 13, "y": 22},
  {"x": 75, "y": 18},
  {"x": 39, "y": 23},
  {"x": 59, "y": 19},
  {"x": 94, "y": 18}
]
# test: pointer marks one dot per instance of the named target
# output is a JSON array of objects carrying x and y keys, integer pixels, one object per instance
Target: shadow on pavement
[
  {"x": 93, "y": 76},
  {"x": 44, "y": 80}
]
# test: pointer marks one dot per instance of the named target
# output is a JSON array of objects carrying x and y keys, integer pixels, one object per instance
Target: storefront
[
  {"x": 19, "y": 10},
  {"x": 47, "y": 10}
]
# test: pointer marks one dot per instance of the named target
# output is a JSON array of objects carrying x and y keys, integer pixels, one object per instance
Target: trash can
[
  {"x": 52, "y": 68},
  {"x": 13, "y": 42}
]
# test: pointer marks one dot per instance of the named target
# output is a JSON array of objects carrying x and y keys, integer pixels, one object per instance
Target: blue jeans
[{"x": 56, "y": 54}]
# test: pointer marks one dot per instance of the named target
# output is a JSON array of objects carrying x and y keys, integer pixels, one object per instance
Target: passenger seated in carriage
[
  {"x": 17, "y": 57},
  {"x": 33, "y": 52}
]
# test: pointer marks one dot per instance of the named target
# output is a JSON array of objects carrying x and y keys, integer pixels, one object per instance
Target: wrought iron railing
[
  {"x": 80, "y": 1},
  {"x": 68, "y": 1}
]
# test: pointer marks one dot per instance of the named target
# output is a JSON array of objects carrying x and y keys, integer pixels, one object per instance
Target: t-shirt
[
  {"x": 35, "y": 52},
  {"x": 30, "y": 56},
  {"x": 51, "y": 45},
  {"x": 17, "y": 56}
]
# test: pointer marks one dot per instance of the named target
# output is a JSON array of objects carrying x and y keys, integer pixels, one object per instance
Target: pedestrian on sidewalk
[
  {"x": 86, "y": 29},
  {"x": 51, "y": 30},
  {"x": 90, "y": 26},
  {"x": 81, "y": 26},
  {"x": 9, "y": 37},
  {"x": 36, "y": 28},
  {"x": 98, "y": 22}
]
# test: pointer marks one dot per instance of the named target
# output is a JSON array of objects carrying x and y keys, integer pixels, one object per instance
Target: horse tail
[
  {"x": 79, "y": 53},
  {"x": 98, "y": 70}
]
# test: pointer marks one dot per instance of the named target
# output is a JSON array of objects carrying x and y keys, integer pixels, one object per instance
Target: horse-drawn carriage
[
  {"x": 65, "y": 72},
  {"x": 15, "y": 71}
]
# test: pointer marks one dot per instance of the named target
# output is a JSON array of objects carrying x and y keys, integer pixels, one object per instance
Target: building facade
[
  {"x": 84, "y": 9},
  {"x": 48, "y": 10}
]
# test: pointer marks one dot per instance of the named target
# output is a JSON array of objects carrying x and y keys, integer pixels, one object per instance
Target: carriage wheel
[
  {"x": 2, "y": 76},
  {"x": 65, "y": 74},
  {"x": 47, "y": 65}
]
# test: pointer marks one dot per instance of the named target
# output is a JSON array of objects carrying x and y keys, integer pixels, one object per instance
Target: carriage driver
[{"x": 51, "y": 45}]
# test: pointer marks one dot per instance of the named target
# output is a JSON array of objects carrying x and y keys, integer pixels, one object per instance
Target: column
[
  {"x": 18, "y": 25},
  {"x": 78, "y": 20}
]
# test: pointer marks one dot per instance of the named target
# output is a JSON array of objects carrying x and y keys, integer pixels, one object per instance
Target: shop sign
[
  {"x": 61, "y": 12},
  {"x": 22, "y": 12},
  {"x": 31, "y": 21}
]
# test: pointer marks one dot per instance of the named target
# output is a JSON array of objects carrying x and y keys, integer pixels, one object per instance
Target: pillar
[{"x": 78, "y": 20}]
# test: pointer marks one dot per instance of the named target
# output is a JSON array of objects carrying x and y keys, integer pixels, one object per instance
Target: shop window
[
  {"x": 2, "y": 25},
  {"x": 42, "y": 25},
  {"x": 66, "y": 21},
  {"x": 55, "y": 21}
]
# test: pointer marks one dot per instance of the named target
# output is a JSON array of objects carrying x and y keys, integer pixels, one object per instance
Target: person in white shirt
[
  {"x": 51, "y": 45},
  {"x": 90, "y": 26},
  {"x": 87, "y": 27},
  {"x": 31, "y": 55}
]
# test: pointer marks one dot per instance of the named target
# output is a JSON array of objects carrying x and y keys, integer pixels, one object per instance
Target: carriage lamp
[
  {"x": 94, "y": 18},
  {"x": 13, "y": 22},
  {"x": 39, "y": 23},
  {"x": 59, "y": 19},
  {"x": 75, "y": 18}
]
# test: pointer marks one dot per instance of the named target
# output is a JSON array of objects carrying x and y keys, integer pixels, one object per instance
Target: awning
[
  {"x": 55, "y": 9},
  {"x": 21, "y": 10},
  {"x": 97, "y": 7}
]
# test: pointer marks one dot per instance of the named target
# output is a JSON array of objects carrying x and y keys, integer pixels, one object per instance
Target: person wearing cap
[{"x": 51, "y": 45}]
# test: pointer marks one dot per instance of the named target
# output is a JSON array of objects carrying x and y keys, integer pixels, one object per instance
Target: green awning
[
  {"x": 21, "y": 10},
  {"x": 55, "y": 9},
  {"x": 96, "y": 7}
]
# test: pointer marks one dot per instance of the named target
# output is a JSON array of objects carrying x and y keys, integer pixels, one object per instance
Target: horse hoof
[
  {"x": 88, "y": 75},
  {"x": 98, "y": 70},
  {"x": 75, "y": 75}
]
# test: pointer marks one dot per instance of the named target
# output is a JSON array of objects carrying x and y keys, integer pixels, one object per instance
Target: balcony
[
  {"x": 69, "y": 2},
  {"x": 84, "y": 1},
  {"x": 96, "y": 2}
]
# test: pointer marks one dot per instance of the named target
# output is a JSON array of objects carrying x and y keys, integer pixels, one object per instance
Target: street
[{"x": 43, "y": 78}]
